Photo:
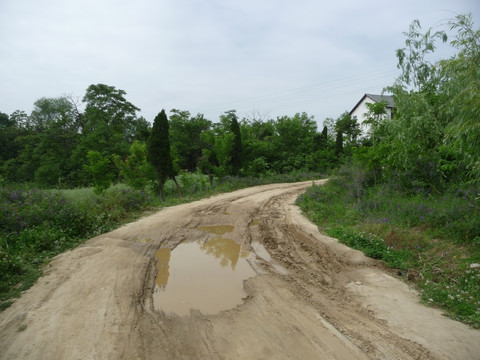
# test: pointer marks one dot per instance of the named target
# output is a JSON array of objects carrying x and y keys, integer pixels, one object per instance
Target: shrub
[
  {"x": 35, "y": 225},
  {"x": 373, "y": 246},
  {"x": 24, "y": 209},
  {"x": 415, "y": 230}
]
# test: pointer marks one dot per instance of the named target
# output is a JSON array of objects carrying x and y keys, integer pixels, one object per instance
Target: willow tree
[
  {"x": 158, "y": 153},
  {"x": 461, "y": 81}
]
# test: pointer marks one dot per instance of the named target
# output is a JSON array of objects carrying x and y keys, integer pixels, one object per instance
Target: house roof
[
  {"x": 388, "y": 99},
  {"x": 377, "y": 98}
]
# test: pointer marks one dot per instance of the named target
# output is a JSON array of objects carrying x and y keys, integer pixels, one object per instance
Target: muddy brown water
[{"x": 202, "y": 275}]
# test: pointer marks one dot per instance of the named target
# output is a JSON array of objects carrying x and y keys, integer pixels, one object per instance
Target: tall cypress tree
[
  {"x": 325, "y": 134},
  {"x": 236, "y": 155},
  {"x": 339, "y": 143},
  {"x": 158, "y": 152}
]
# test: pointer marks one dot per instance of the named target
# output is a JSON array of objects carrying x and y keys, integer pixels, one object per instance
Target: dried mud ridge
[{"x": 312, "y": 298}]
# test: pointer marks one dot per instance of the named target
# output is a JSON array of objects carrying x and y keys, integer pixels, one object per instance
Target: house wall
[{"x": 362, "y": 109}]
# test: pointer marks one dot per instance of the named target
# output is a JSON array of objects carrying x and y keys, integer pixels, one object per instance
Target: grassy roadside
[
  {"x": 36, "y": 225},
  {"x": 431, "y": 240}
]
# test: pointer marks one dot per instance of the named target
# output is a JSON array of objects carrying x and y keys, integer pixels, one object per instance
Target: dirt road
[{"x": 309, "y": 298}]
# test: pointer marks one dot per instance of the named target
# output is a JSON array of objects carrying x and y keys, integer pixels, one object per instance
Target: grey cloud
[{"x": 279, "y": 57}]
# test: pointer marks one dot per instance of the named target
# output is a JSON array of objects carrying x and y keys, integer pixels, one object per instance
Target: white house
[{"x": 359, "y": 110}]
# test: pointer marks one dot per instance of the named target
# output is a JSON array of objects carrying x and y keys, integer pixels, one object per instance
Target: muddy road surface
[{"x": 272, "y": 286}]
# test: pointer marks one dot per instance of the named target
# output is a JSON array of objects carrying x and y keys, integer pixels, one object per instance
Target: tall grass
[
  {"x": 36, "y": 225},
  {"x": 347, "y": 199},
  {"x": 429, "y": 238}
]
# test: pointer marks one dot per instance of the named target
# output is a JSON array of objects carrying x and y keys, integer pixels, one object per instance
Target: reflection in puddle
[
  {"x": 217, "y": 229},
  {"x": 163, "y": 258},
  {"x": 225, "y": 250},
  {"x": 205, "y": 276}
]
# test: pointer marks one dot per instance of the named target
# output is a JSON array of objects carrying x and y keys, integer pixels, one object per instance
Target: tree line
[
  {"x": 433, "y": 139},
  {"x": 59, "y": 145}
]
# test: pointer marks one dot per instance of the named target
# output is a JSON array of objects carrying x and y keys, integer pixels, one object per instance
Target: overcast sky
[{"x": 269, "y": 57}]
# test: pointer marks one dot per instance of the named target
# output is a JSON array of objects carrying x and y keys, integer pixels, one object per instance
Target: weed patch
[
  {"x": 36, "y": 225},
  {"x": 431, "y": 239},
  {"x": 374, "y": 247}
]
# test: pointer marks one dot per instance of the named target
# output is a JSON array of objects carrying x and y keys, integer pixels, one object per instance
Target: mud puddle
[{"x": 207, "y": 276}]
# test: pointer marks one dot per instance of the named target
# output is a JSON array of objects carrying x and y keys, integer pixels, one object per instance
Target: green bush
[
  {"x": 24, "y": 209},
  {"x": 35, "y": 225},
  {"x": 374, "y": 247}
]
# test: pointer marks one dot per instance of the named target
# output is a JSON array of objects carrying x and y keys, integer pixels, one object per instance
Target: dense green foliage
[
  {"x": 432, "y": 140},
  {"x": 186, "y": 138},
  {"x": 35, "y": 225},
  {"x": 410, "y": 193},
  {"x": 58, "y": 145},
  {"x": 49, "y": 147},
  {"x": 135, "y": 170}
]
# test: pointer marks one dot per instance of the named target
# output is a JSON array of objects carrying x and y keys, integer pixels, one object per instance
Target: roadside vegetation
[
  {"x": 430, "y": 240},
  {"x": 39, "y": 224},
  {"x": 406, "y": 191},
  {"x": 410, "y": 194}
]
